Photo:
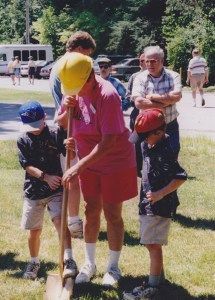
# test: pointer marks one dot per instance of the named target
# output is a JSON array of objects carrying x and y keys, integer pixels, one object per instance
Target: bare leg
[
  {"x": 156, "y": 259},
  {"x": 74, "y": 198},
  {"x": 93, "y": 208},
  {"x": 115, "y": 226},
  {"x": 34, "y": 242},
  {"x": 57, "y": 224}
]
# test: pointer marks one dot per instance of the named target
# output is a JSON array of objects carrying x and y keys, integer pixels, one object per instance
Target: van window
[
  {"x": 25, "y": 55},
  {"x": 17, "y": 53},
  {"x": 3, "y": 57},
  {"x": 33, "y": 53},
  {"x": 42, "y": 55}
]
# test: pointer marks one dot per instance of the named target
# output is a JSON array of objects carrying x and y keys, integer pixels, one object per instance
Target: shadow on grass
[
  {"x": 8, "y": 262},
  {"x": 197, "y": 223},
  {"x": 168, "y": 291},
  {"x": 192, "y": 178},
  {"x": 130, "y": 239}
]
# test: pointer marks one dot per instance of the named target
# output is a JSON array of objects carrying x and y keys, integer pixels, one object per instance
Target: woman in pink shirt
[{"x": 106, "y": 166}]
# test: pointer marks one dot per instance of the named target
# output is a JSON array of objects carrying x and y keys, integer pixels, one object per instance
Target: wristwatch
[{"x": 42, "y": 176}]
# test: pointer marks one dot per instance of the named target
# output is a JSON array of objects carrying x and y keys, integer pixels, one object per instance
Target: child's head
[
  {"x": 150, "y": 125},
  {"x": 33, "y": 117}
]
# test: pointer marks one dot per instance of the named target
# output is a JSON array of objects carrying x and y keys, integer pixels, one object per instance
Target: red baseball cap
[
  {"x": 149, "y": 119},
  {"x": 146, "y": 121}
]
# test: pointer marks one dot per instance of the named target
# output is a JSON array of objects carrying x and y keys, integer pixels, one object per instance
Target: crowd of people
[{"x": 107, "y": 158}]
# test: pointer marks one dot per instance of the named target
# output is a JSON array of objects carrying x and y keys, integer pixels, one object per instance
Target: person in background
[
  {"x": 197, "y": 75},
  {"x": 31, "y": 70},
  {"x": 158, "y": 87},
  {"x": 10, "y": 70},
  {"x": 81, "y": 42},
  {"x": 161, "y": 177},
  {"x": 135, "y": 112},
  {"x": 105, "y": 72},
  {"x": 17, "y": 68},
  {"x": 39, "y": 149}
]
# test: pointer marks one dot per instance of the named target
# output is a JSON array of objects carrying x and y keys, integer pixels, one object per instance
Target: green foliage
[
  {"x": 185, "y": 27},
  {"x": 119, "y": 27},
  {"x": 85, "y": 21}
]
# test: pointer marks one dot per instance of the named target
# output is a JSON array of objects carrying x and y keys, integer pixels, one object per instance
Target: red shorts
[{"x": 115, "y": 187}]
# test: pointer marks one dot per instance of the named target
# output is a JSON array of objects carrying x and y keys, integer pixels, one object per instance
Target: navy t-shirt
[
  {"x": 43, "y": 152},
  {"x": 159, "y": 168}
]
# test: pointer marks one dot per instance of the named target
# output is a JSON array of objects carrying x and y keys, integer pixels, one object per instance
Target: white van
[{"x": 37, "y": 51}]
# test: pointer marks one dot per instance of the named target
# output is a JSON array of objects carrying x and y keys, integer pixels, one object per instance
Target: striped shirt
[
  {"x": 197, "y": 65},
  {"x": 145, "y": 84}
]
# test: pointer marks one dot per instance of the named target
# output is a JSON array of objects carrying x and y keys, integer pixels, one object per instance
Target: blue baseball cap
[{"x": 32, "y": 116}]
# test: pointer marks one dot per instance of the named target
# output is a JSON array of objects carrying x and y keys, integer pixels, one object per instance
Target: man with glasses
[
  {"x": 105, "y": 70},
  {"x": 158, "y": 87}
]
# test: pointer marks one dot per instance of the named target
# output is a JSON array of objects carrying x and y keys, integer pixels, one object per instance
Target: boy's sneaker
[
  {"x": 76, "y": 229},
  {"x": 85, "y": 273},
  {"x": 141, "y": 293},
  {"x": 31, "y": 270},
  {"x": 203, "y": 102},
  {"x": 70, "y": 268},
  {"x": 112, "y": 276}
]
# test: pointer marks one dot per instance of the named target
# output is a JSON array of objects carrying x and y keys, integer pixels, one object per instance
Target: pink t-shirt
[{"x": 98, "y": 114}]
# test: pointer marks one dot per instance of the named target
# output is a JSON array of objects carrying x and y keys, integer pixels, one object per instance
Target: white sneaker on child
[
  {"x": 85, "y": 273},
  {"x": 76, "y": 229},
  {"x": 70, "y": 268},
  {"x": 31, "y": 270},
  {"x": 112, "y": 276},
  {"x": 141, "y": 293}
]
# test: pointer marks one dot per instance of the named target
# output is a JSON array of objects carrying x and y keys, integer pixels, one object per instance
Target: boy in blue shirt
[{"x": 161, "y": 177}]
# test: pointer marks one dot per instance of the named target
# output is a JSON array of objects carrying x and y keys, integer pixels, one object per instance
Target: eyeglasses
[
  {"x": 103, "y": 67},
  {"x": 151, "y": 61}
]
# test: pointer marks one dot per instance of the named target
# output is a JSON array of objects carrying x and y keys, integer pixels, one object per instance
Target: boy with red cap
[{"x": 161, "y": 177}]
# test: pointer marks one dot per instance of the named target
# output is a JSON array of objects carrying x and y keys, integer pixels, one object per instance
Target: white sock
[
  {"x": 113, "y": 258},
  {"x": 35, "y": 260},
  {"x": 90, "y": 253},
  {"x": 73, "y": 219},
  {"x": 67, "y": 254}
]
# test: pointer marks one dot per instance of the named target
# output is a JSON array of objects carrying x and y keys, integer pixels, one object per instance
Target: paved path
[{"x": 192, "y": 120}]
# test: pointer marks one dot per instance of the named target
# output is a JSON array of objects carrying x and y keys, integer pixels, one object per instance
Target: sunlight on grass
[
  {"x": 14, "y": 96},
  {"x": 189, "y": 257}
]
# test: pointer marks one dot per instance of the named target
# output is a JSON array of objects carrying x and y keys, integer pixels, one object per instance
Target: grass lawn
[
  {"x": 189, "y": 258},
  {"x": 10, "y": 95}
]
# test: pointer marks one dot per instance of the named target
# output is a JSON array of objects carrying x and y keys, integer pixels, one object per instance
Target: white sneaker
[
  {"x": 70, "y": 268},
  {"x": 194, "y": 103},
  {"x": 141, "y": 293},
  {"x": 31, "y": 270},
  {"x": 112, "y": 276},
  {"x": 85, "y": 273},
  {"x": 76, "y": 229}
]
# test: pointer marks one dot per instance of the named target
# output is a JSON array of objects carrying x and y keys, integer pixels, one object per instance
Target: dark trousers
[{"x": 172, "y": 129}]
